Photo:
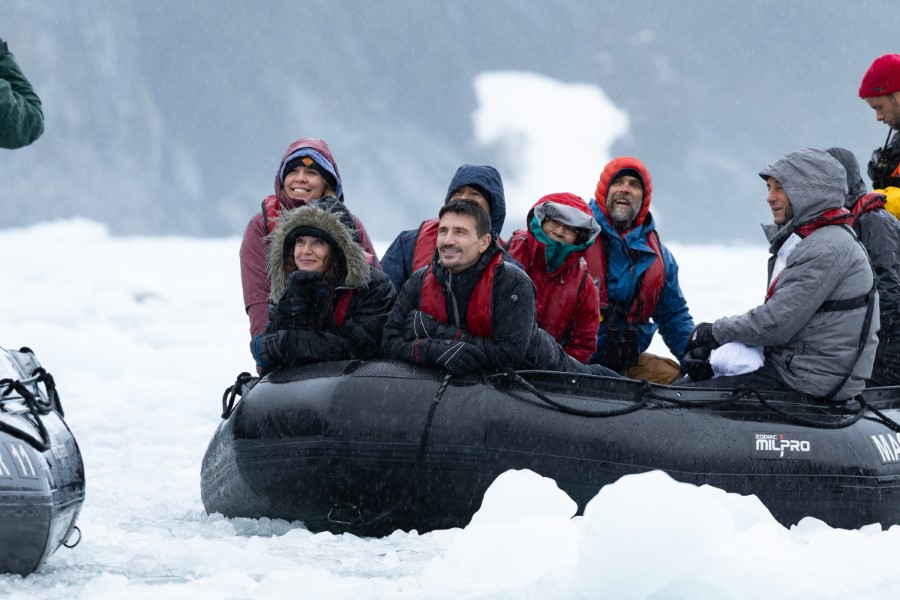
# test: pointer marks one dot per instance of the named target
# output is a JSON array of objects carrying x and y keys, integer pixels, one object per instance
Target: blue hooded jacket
[{"x": 628, "y": 256}]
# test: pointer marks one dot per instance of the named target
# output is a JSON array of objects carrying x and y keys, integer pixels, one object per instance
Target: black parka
[{"x": 372, "y": 296}]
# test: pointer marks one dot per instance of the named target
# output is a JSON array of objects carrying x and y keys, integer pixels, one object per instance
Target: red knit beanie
[{"x": 882, "y": 78}]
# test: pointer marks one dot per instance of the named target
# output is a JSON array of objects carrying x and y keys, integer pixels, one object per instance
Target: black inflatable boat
[
  {"x": 41, "y": 472},
  {"x": 369, "y": 447}
]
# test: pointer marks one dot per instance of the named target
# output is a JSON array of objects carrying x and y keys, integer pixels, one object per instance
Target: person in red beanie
[{"x": 880, "y": 88}]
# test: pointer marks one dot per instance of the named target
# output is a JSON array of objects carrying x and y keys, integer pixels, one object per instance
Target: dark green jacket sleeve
[{"x": 21, "y": 117}]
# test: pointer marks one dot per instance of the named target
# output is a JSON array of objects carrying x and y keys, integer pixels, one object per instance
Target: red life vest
[
  {"x": 649, "y": 286},
  {"x": 868, "y": 202},
  {"x": 478, "y": 313},
  {"x": 426, "y": 241},
  {"x": 556, "y": 302},
  {"x": 340, "y": 307}
]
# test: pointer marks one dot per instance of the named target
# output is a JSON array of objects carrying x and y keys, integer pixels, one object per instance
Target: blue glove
[{"x": 266, "y": 352}]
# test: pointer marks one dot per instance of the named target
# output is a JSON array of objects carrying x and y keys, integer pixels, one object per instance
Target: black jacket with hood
[{"x": 298, "y": 341}]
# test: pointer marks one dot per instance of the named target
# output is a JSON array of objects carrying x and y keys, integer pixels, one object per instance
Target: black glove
[
  {"x": 701, "y": 337},
  {"x": 424, "y": 326},
  {"x": 266, "y": 352},
  {"x": 695, "y": 364},
  {"x": 458, "y": 358},
  {"x": 304, "y": 294}
]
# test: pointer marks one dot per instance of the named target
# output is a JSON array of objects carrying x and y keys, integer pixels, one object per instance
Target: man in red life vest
[
  {"x": 637, "y": 277},
  {"x": 469, "y": 310},
  {"x": 880, "y": 88}
]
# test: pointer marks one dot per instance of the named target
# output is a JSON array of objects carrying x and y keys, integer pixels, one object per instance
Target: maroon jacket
[{"x": 254, "y": 277}]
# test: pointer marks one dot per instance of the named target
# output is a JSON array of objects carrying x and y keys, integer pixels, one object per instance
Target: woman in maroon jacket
[
  {"x": 560, "y": 229},
  {"x": 307, "y": 172}
]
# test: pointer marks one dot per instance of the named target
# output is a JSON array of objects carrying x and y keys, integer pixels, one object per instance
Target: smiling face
[
  {"x": 458, "y": 243},
  {"x": 311, "y": 254},
  {"x": 887, "y": 109},
  {"x": 778, "y": 200},
  {"x": 624, "y": 200},
  {"x": 304, "y": 184}
]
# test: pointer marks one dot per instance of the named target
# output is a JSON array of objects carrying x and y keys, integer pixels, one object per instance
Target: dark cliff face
[{"x": 169, "y": 117}]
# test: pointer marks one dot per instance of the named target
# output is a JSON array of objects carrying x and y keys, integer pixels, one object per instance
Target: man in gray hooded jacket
[{"x": 820, "y": 318}]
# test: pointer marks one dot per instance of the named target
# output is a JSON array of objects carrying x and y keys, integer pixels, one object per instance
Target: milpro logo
[
  {"x": 888, "y": 446},
  {"x": 775, "y": 445}
]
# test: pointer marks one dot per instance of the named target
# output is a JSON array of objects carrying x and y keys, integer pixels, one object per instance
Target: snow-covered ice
[{"x": 144, "y": 333}]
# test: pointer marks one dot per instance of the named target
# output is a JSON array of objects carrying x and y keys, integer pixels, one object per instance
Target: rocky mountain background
[{"x": 169, "y": 117}]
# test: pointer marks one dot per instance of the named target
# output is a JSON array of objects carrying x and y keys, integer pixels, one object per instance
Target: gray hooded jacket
[{"x": 811, "y": 350}]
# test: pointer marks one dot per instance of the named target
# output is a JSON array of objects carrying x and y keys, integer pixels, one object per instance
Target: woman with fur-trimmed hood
[{"x": 326, "y": 301}]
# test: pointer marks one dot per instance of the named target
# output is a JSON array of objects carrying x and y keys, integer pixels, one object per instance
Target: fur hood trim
[{"x": 356, "y": 268}]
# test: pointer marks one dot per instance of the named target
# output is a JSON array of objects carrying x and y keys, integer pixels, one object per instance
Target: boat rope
[
  {"x": 748, "y": 392},
  {"x": 641, "y": 398},
  {"x": 234, "y": 390},
  {"x": 420, "y": 460},
  {"x": 884, "y": 419},
  {"x": 43, "y": 376},
  {"x": 646, "y": 393},
  {"x": 14, "y": 385}
]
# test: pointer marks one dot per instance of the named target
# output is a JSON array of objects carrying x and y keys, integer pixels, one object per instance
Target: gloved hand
[
  {"x": 701, "y": 337},
  {"x": 266, "y": 352},
  {"x": 304, "y": 294},
  {"x": 695, "y": 364},
  {"x": 424, "y": 326},
  {"x": 457, "y": 358}
]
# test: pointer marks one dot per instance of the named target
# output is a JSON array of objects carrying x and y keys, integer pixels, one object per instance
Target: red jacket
[
  {"x": 254, "y": 276},
  {"x": 567, "y": 301}
]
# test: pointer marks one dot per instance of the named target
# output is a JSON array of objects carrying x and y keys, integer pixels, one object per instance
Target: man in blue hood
[{"x": 414, "y": 248}]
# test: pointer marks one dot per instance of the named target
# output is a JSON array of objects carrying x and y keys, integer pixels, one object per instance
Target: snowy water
[{"x": 143, "y": 335}]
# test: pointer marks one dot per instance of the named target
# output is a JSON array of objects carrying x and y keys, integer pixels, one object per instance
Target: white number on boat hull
[{"x": 20, "y": 456}]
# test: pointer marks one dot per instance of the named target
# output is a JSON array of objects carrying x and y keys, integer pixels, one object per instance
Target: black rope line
[
  {"x": 14, "y": 385},
  {"x": 232, "y": 391},
  {"x": 43, "y": 376},
  {"x": 641, "y": 397},
  {"x": 420, "y": 460},
  {"x": 884, "y": 419},
  {"x": 646, "y": 393}
]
